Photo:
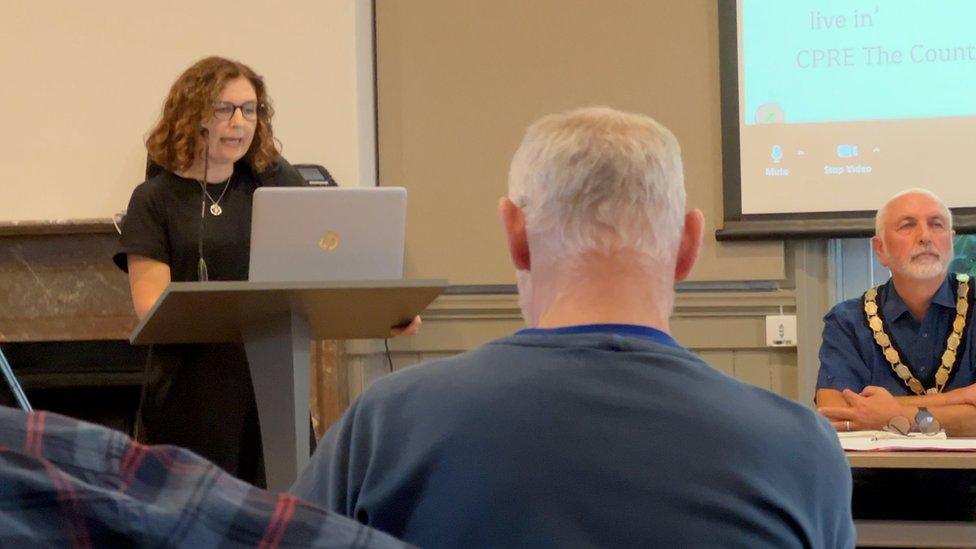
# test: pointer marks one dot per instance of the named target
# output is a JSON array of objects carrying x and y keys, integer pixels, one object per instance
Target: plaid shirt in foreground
[{"x": 65, "y": 483}]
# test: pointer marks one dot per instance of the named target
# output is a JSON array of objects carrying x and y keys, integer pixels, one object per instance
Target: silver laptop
[{"x": 337, "y": 233}]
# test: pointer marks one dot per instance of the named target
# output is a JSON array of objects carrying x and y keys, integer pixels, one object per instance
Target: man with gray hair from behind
[{"x": 593, "y": 426}]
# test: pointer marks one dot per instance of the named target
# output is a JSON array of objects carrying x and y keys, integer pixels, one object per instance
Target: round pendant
[{"x": 216, "y": 209}]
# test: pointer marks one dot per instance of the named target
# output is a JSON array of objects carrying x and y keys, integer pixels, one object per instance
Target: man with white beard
[
  {"x": 902, "y": 354},
  {"x": 593, "y": 427}
]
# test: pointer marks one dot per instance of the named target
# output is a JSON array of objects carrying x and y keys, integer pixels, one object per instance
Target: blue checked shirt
[{"x": 65, "y": 483}]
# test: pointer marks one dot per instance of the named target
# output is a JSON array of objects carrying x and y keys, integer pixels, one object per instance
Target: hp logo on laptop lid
[{"x": 329, "y": 241}]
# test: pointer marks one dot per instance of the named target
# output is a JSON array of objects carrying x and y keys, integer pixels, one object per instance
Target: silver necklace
[{"x": 215, "y": 208}]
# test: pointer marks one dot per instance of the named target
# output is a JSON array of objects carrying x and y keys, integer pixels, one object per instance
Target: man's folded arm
[
  {"x": 830, "y": 397},
  {"x": 955, "y": 410},
  {"x": 874, "y": 407},
  {"x": 841, "y": 364}
]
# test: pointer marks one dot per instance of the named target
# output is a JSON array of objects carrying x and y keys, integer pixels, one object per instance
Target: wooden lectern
[{"x": 276, "y": 322}]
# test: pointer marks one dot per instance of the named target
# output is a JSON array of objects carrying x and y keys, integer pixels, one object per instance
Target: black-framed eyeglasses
[
  {"x": 898, "y": 424},
  {"x": 224, "y": 110}
]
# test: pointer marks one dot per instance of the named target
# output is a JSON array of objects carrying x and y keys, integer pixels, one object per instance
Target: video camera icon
[{"x": 847, "y": 151}]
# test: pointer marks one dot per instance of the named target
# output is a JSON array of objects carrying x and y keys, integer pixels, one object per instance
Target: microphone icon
[{"x": 776, "y": 154}]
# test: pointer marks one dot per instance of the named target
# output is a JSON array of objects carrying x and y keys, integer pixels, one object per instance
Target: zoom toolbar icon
[
  {"x": 846, "y": 151},
  {"x": 770, "y": 113},
  {"x": 776, "y": 154}
]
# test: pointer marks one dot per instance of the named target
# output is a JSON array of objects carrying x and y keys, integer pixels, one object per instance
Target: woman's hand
[{"x": 408, "y": 329}]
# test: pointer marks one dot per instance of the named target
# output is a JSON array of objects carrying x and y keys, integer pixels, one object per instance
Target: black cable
[
  {"x": 202, "y": 274},
  {"x": 389, "y": 358}
]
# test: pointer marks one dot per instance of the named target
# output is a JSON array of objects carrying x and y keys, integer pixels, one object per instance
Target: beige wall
[
  {"x": 459, "y": 80},
  {"x": 84, "y": 81}
]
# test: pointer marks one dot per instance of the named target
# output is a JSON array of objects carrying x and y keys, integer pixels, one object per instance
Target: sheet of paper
[{"x": 884, "y": 440}]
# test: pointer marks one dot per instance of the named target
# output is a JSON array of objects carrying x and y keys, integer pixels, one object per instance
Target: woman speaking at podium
[{"x": 190, "y": 220}]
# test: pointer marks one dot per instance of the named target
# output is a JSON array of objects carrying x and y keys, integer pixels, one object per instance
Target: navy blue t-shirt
[
  {"x": 601, "y": 435},
  {"x": 851, "y": 359}
]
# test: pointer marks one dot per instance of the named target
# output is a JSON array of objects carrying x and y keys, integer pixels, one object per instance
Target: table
[{"x": 910, "y": 533}]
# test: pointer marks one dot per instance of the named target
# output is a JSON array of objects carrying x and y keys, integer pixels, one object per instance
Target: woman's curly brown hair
[{"x": 176, "y": 140}]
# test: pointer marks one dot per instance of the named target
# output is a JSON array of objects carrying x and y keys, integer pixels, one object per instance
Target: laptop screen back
[{"x": 324, "y": 234}]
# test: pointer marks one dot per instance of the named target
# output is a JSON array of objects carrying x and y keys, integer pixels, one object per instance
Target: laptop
[{"x": 322, "y": 234}]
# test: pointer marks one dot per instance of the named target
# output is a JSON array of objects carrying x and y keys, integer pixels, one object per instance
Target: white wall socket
[{"x": 781, "y": 331}]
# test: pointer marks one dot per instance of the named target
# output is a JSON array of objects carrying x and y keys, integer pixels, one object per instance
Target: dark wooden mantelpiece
[
  {"x": 65, "y": 318},
  {"x": 58, "y": 282},
  {"x": 57, "y": 227}
]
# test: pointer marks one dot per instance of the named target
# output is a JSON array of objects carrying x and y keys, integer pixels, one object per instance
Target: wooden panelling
[
  {"x": 726, "y": 329},
  {"x": 720, "y": 360}
]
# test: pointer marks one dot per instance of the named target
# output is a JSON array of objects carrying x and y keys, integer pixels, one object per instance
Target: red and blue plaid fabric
[{"x": 66, "y": 483}]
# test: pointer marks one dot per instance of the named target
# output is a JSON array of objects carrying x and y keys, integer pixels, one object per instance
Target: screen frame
[{"x": 776, "y": 226}]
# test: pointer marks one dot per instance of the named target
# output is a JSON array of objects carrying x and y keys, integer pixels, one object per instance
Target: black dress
[{"x": 200, "y": 396}]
